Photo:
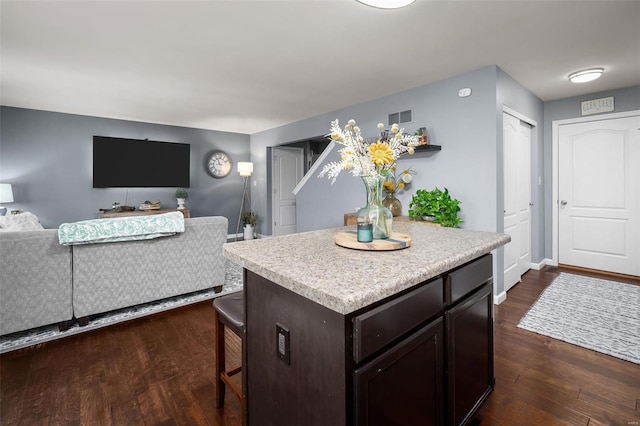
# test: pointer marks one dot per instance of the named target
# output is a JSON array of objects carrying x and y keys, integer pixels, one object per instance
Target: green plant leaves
[{"x": 438, "y": 204}]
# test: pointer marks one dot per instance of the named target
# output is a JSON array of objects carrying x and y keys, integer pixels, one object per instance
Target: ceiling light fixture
[
  {"x": 586, "y": 75},
  {"x": 387, "y": 4}
]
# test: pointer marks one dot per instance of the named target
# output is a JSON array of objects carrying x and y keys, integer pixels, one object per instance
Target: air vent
[{"x": 401, "y": 117}]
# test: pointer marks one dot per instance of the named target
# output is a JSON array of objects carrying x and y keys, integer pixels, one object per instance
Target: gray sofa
[{"x": 43, "y": 282}]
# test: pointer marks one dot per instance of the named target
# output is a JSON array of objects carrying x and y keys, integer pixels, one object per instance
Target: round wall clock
[{"x": 219, "y": 164}]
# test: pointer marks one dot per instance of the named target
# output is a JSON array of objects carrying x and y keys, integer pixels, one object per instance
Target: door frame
[{"x": 555, "y": 149}]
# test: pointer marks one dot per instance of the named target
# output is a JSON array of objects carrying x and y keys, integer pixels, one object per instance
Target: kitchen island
[{"x": 336, "y": 336}]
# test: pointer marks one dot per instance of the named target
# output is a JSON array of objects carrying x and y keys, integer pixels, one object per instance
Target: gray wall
[
  {"x": 627, "y": 99},
  {"x": 465, "y": 127},
  {"x": 48, "y": 159}
]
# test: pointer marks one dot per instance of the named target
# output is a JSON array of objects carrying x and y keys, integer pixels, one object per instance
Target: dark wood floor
[{"x": 159, "y": 370}]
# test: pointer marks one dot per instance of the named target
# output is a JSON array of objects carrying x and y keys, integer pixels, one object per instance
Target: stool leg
[{"x": 220, "y": 386}]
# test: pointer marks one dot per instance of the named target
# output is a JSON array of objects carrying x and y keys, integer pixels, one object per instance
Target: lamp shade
[
  {"x": 6, "y": 193},
  {"x": 245, "y": 168}
]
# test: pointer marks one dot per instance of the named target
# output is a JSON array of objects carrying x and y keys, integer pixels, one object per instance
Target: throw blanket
[{"x": 129, "y": 228}]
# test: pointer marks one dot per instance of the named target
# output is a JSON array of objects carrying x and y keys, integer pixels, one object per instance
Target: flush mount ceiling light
[
  {"x": 586, "y": 75},
  {"x": 387, "y": 4}
]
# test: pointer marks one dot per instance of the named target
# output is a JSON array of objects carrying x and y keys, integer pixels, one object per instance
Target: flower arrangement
[
  {"x": 398, "y": 183},
  {"x": 374, "y": 161},
  {"x": 367, "y": 159}
]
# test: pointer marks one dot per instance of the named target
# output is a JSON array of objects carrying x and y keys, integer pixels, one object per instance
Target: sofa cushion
[{"x": 20, "y": 222}]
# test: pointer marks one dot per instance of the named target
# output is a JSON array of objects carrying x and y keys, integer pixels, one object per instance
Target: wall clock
[{"x": 219, "y": 164}]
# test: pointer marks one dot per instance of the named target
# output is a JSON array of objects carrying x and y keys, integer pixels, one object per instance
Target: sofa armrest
[{"x": 35, "y": 280}]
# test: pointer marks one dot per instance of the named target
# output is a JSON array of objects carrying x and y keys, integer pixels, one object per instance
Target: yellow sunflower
[{"x": 381, "y": 154}]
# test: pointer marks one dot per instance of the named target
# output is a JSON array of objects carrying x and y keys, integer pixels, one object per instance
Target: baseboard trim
[
  {"x": 499, "y": 298},
  {"x": 542, "y": 264}
]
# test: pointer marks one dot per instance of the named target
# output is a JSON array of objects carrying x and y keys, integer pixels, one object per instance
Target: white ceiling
[{"x": 247, "y": 66}]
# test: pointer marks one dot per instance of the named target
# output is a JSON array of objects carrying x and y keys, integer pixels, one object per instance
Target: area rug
[
  {"x": 22, "y": 339},
  {"x": 596, "y": 314}
]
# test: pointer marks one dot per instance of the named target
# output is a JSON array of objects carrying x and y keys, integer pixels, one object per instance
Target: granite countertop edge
[{"x": 346, "y": 304}]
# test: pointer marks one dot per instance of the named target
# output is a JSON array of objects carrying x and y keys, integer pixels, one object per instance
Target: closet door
[{"x": 517, "y": 198}]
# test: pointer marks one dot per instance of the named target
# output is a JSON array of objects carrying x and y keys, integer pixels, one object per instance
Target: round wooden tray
[{"x": 396, "y": 241}]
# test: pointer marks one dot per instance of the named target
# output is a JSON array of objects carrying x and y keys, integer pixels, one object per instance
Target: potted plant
[
  {"x": 249, "y": 220},
  {"x": 436, "y": 204},
  {"x": 422, "y": 135},
  {"x": 181, "y": 196}
]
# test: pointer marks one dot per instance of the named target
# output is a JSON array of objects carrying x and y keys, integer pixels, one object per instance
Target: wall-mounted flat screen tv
[{"x": 131, "y": 163}]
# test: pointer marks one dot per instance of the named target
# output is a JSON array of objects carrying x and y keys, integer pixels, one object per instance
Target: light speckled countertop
[{"x": 345, "y": 280}]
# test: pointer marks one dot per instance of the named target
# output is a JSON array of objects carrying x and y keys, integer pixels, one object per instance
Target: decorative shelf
[{"x": 428, "y": 147}]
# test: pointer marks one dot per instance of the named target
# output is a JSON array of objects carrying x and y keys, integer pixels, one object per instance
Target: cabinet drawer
[
  {"x": 467, "y": 279},
  {"x": 380, "y": 326}
]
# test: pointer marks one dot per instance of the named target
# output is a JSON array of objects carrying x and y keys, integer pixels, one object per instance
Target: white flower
[
  {"x": 354, "y": 153},
  {"x": 406, "y": 178},
  {"x": 410, "y": 150}
]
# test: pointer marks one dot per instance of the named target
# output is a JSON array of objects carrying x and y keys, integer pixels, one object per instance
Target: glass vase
[
  {"x": 392, "y": 203},
  {"x": 374, "y": 212}
]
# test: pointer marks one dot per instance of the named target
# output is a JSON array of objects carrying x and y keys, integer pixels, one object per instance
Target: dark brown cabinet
[
  {"x": 424, "y": 356},
  {"x": 469, "y": 335},
  {"x": 469, "y": 362},
  {"x": 403, "y": 386}
]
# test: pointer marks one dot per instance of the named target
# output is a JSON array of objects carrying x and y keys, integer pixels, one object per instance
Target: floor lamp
[{"x": 245, "y": 169}]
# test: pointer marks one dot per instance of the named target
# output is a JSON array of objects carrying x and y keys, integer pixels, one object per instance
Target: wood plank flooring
[
  {"x": 159, "y": 370},
  {"x": 543, "y": 381}
]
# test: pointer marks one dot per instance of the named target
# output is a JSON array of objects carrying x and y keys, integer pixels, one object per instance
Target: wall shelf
[{"x": 428, "y": 147}]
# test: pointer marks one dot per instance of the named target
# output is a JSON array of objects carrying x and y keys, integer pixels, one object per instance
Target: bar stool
[{"x": 229, "y": 311}]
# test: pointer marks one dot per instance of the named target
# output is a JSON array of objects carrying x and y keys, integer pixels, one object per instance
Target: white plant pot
[
  {"x": 180, "y": 203},
  {"x": 248, "y": 232}
]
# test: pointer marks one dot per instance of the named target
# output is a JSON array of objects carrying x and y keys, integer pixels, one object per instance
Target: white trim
[
  {"x": 498, "y": 299},
  {"x": 314, "y": 167},
  {"x": 555, "y": 127},
  {"x": 539, "y": 266},
  {"x": 519, "y": 116}
]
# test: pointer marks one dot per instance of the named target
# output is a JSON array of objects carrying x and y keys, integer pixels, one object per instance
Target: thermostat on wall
[{"x": 463, "y": 93}]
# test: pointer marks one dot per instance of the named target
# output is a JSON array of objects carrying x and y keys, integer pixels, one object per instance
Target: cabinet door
[
  {"x": 469, "y": 354},
  {"x": 404, "y": 385}
]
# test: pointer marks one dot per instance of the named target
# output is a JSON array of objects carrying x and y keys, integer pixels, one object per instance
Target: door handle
[{"x": 563, "y": 202}]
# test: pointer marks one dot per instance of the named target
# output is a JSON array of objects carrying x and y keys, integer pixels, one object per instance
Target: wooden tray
[{"x": 396, "y": 241}]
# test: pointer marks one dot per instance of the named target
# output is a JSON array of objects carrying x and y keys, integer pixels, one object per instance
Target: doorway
[
  {"x": 288, "y": 169},
  {"x": 596, "y": 193}
]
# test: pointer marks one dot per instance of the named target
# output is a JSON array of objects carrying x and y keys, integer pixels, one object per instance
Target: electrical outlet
[{"x": 282, "y": 344}]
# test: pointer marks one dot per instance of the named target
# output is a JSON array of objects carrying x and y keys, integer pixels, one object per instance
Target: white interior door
[
  {"x": 599, "y": 195},
  {"x": 287, "y": 172},
  {"x": 517, "y": 198}
]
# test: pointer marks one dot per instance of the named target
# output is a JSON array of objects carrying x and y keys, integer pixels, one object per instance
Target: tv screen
[{"x": 127, "y": 163}]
